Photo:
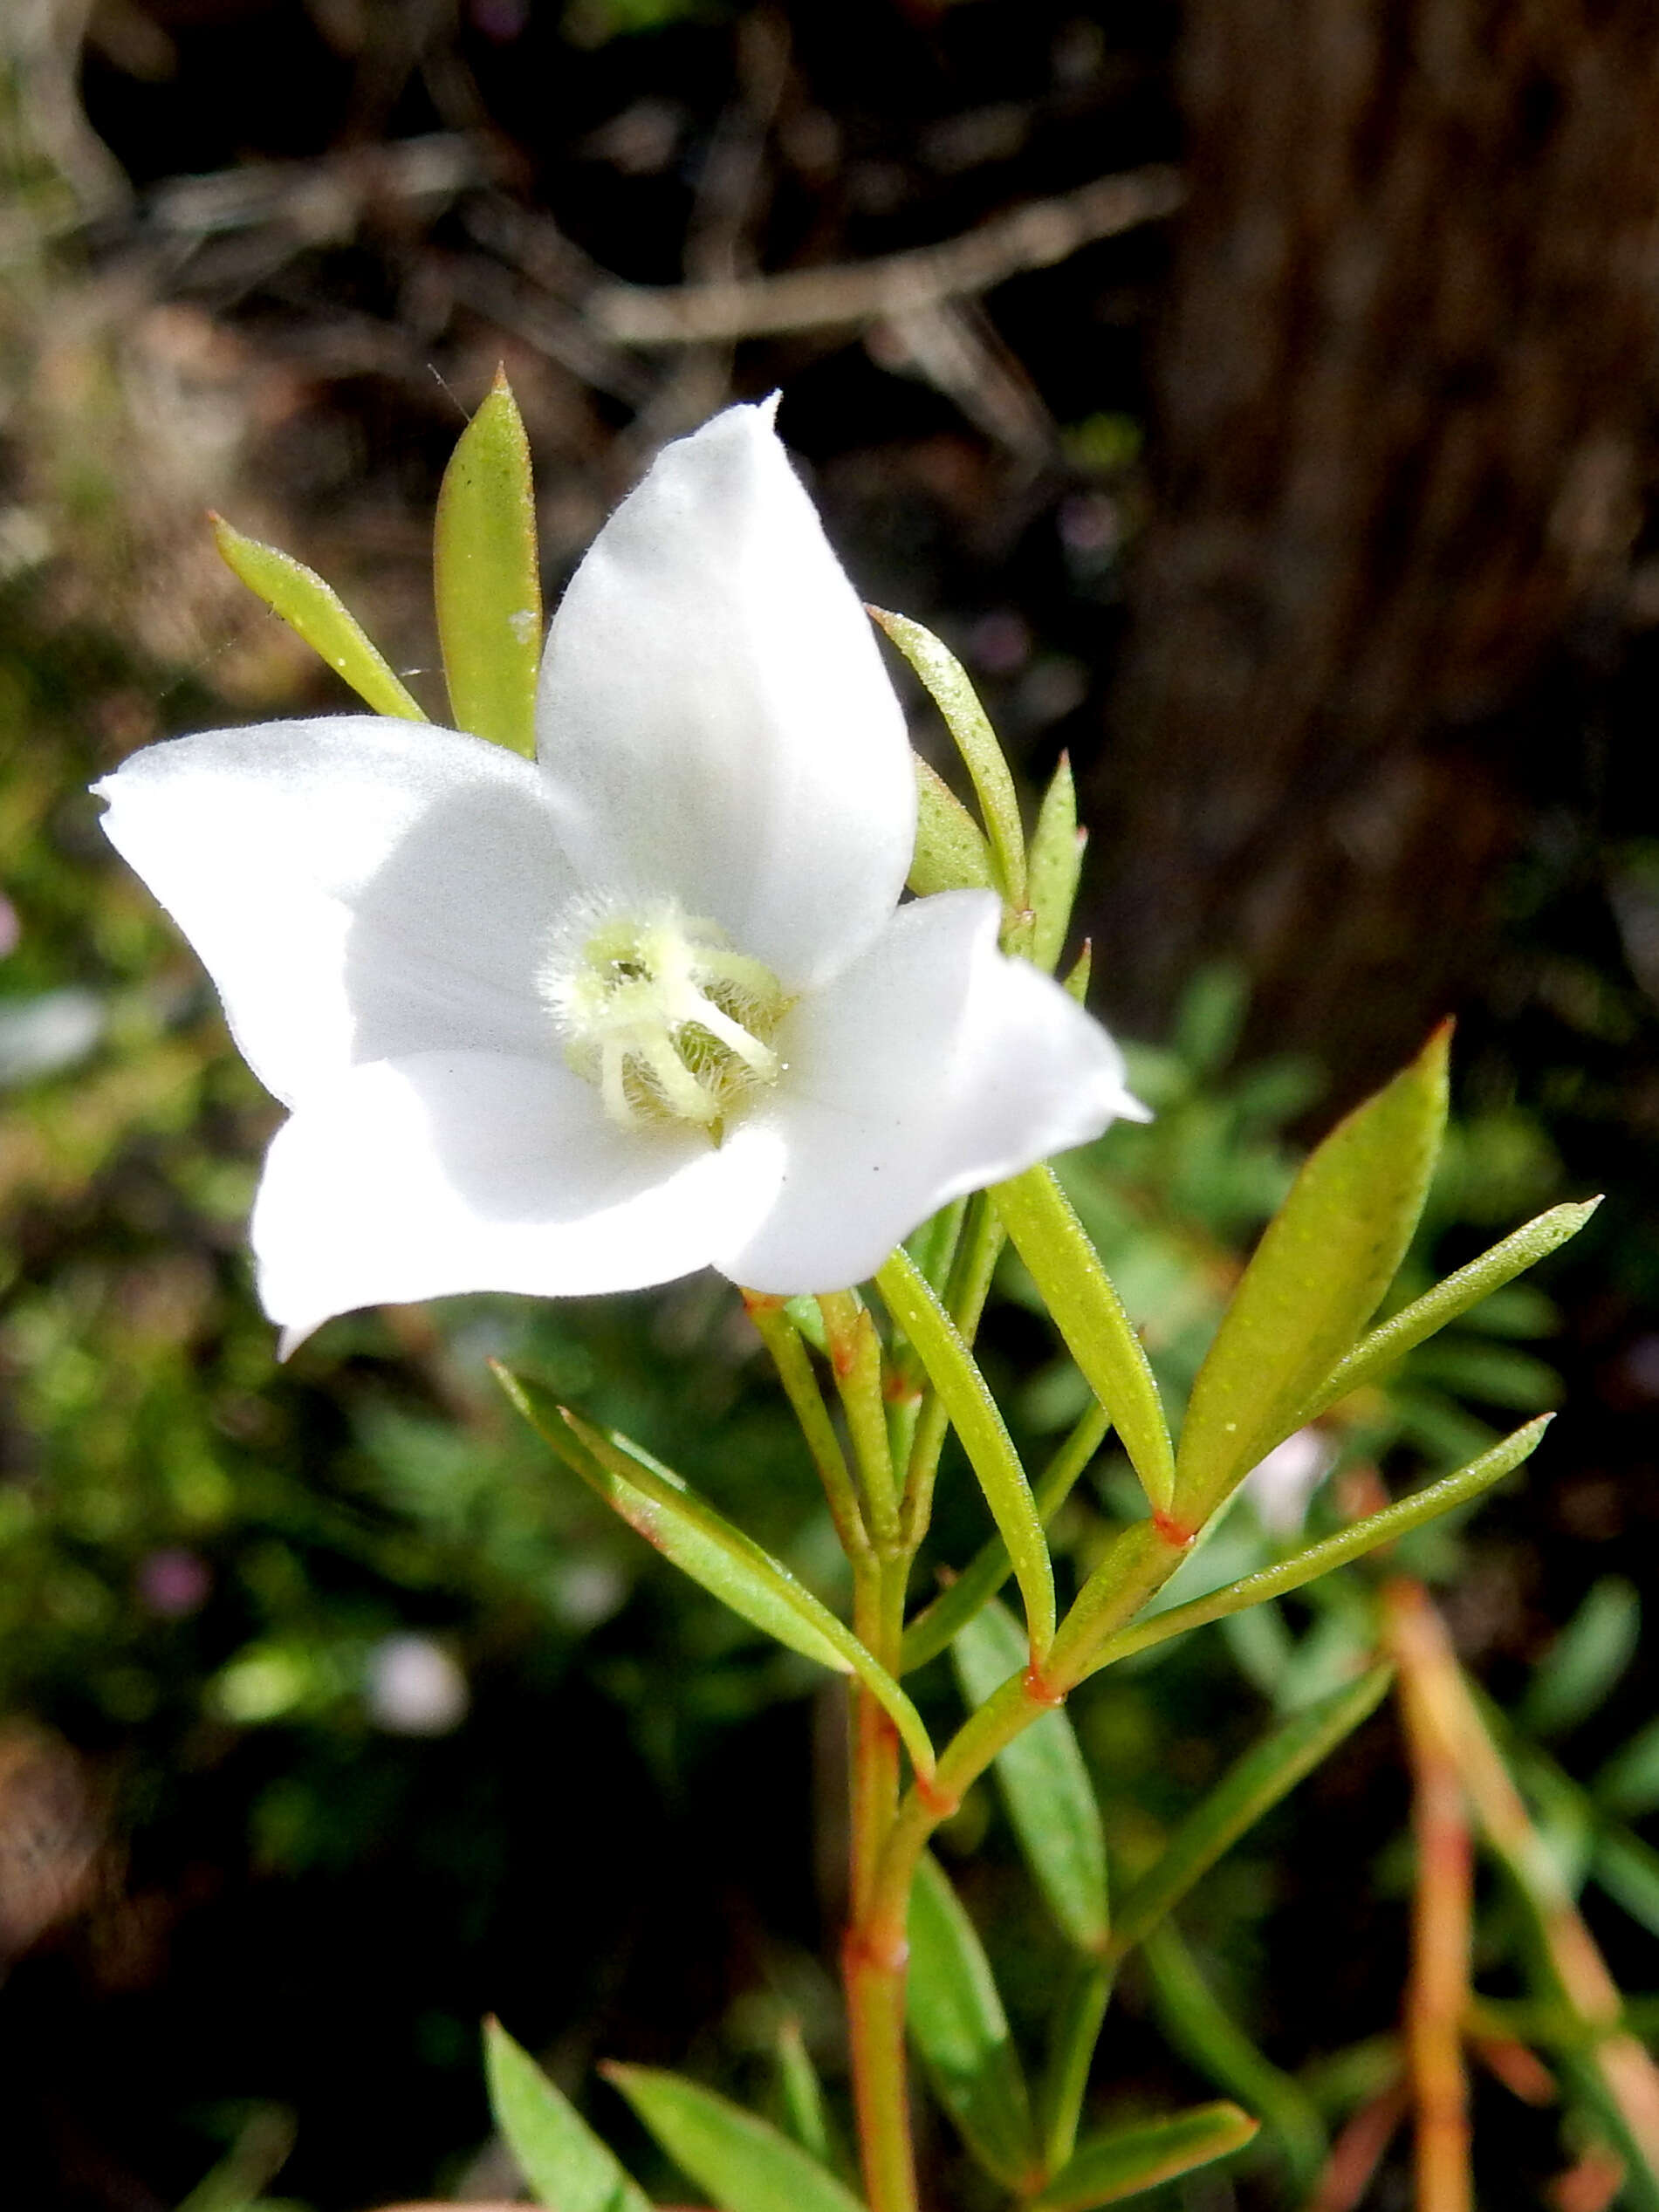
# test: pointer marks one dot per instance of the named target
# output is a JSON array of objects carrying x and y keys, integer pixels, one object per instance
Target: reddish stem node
[
  {"x": 939, "y": 1803},
  {"x": 1177, "y": 1534},
  {"x": 1039, "y": 1690}
]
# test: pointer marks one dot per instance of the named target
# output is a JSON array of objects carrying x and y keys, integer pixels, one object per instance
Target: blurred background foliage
[{"x": 332, "y": 1716}]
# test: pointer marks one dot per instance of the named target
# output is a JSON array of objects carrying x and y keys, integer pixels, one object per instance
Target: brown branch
[{"x": 1035, "y": 236}]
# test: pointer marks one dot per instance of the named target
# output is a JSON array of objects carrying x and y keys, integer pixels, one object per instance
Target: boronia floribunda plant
[{"x": 652, "y": 1001}]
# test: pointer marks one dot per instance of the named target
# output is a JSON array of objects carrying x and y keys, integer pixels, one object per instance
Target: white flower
[{"x": 648, "y": 1004}]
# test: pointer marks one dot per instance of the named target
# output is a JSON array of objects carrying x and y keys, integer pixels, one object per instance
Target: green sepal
[
  {"x": 1353, "y": 1543},
  {"x": 1205, "y": 2034},
  {"x": 314, "y": 611},
  {"x": 702, "y": 1544},
  {"x": 1251, "y": 1786},
  {"x": 978, "y": 1419},
  {"x": 948, "y": 686},
  {"x": 1394, "y": 1338},
  {"x": 950, "y": 852},
  {"x": 744, "y": 2163},
  {"x": 1045, "y": 1784},
  {"x": 563, "y": 2163},
  {"x": 1056, "y": 868},
  {"x": 1126, "y": 2161},
  {"x": 487, "y": 576},
  {"x": 1322, "y": 1266},
  {"x": 961, "y": 2032},
  {"x": 1089, "y": 1315}
]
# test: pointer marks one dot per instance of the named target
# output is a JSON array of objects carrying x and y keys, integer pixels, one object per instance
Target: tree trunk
[{"x": 1401, "y": 390}]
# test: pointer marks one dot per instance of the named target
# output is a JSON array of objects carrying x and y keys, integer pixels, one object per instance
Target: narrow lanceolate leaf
[
  {"x": 1055, "y": 867},
  {"x": 1045, "y": 1784},
  {"x": 702, "y": 1544},
  {"x": 801, "y": 2094},
  {"x": 744, "y": 2163},
  {"x": 1393, "y": 1521},
  {"x": 314, "y": 611},
  {"x": 561, "y": 2159},
  {"x": 937, "y": 1625},
  {"x": 1268, "y": 1771},
  {"x": 959, "y": 2027},
  {"x": 1581, "y": 1666},
  {"x": 950, "y": 850},
  {"x": 1407, "y": 1328},
  {"x": 1205, "y": 2033},
  {"x": 1088, "y": 1313},
  {"x": 974, "y": 1413},
  {"x": 487, "y": 576},
  {"x": 947, "y": 685},
  {"x": 1315, "y": 1281},
  {"x": 1106, "y": 2169}
]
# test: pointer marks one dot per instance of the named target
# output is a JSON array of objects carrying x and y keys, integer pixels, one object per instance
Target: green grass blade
[
  {"x": 948, "y": 686},
  {"x": 1407, "y": 1328},
  {"x": 974, "y": 1412},
  {"x": 744, "y": 2163},
  {"x": 1268, "y": 1771},
  {"x": 704, "y": 1544},
  {"x": 1128, "y": 2162},
  {"x": 1046, "y": 1787},
  {"x": 314, "y": 611},
  {"x": 563, "y": 2161},
  {"x": 1323, "y": 1264},
  {"x": 487, "y": 576},
  {"x": 1089, "y": 1315},
  {"x": 958, "y": 2026}
]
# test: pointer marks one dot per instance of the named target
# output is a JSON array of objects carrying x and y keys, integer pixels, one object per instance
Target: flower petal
[
  {"x": 932, "y": 1066},
  {"x": 358, "y": 887},
  {"x": 474, "y": 1171},
  {"x": 714, "y": 719}
]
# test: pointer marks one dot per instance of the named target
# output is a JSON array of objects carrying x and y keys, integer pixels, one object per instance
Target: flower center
[{"x": 660, "y": 1012}]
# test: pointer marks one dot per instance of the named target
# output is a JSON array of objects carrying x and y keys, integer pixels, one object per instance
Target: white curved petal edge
[
  {"x": 933, "y": 1066},
  {"x": 447, "y": 1172},
  {"x": 357, "y": 887},
  {"x": 715, "y": 722}
]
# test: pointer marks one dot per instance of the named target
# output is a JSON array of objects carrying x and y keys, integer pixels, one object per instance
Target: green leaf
[
  {"x": 950, "y": 850},
  {"x": 314, "y": 611},
  {"x": 1402, "y": 1330},
  {"x": 1205, "y": 2034},
  {"x": 936, "y": 1627},
  {"x": 1585, "y": 1661},
  {"x": 958, "y": 2026},
  {"x": 974, "y": 1412},
  {"x": 1045, "y": 1784},
  {"x": 1268, "y": 1771},
  {"x": 1089, "y": 1315},
  {"x": 801, "y": 2094},
  {"x": 1056, "y": 867},
  {"x": 746, "y": 2164},
  {"x": 488, "y": 579},
  {"x": 1628, "y": 1784},
  {"x": 1628, "y": 1870},
  {"x": 1393, "y": 1521},
  {"x": 1323, "y": 1262},
  {"x": 655, "y": 1502},
  {"x": 1126, "y": 2161},
  {"x": 947, "y": 685},
  {"x": 1073, "y": 2032},
  {"x": 561, "y": 2159}
]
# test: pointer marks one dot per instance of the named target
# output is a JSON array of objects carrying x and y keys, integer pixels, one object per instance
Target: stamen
[{"x": 660, "y": 1012}]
